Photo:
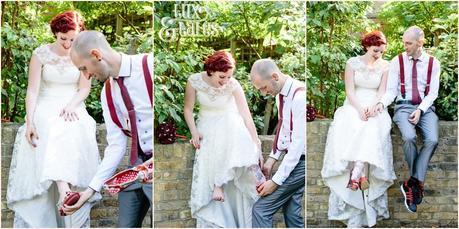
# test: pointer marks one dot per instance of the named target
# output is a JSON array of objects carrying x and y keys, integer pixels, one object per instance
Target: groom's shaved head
[
  {"x": 264, "y": 68},
  {"x": 88, "y": 40},
  {"x": 266, "y": 77},
  {"x": 415, "y": 32}
]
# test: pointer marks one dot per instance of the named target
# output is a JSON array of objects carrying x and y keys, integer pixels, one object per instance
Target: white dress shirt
[
  {"x": 295, "y": 147},
  {"x": 393, "y": 88},
  {"x": 131, "y": 70}
]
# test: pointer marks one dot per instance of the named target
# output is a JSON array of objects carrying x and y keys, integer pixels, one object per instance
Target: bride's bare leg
[
  {"x": 63, "y": 187},
  {"x": 218, "y": 194},
  {"x": 357, "y": 170}
]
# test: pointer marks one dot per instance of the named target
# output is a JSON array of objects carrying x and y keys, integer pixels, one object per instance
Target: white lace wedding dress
[
  {"x": 226, "y": 152},
  {"x": 350, "y": 139},
  {"x": 66, "y": 151}
]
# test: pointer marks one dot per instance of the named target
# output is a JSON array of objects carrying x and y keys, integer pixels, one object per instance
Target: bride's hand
[
  {"x": 69, "y": 114},
  {"x": 31, "y": 134},
  {"x": 196, "y": 140},
  {"x": 261, "y": 160},
  {"x": 363, "y": 113},
  {"x": 371, "y": 112}
]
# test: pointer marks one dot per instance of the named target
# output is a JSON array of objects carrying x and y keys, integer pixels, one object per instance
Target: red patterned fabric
[{"x": 123, "y": 179}]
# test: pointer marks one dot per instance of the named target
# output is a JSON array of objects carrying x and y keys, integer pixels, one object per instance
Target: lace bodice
[
  {"x": 59, "y": 77},
  {"x": 212, "y": 99},
  {"x": 367, "y": 78}
]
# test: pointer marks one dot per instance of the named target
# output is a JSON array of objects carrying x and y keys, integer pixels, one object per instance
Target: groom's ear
[
  {"x": 275, "y": 76},
  {"x": 420, "y": 42},
  {"x": 95, "y": 53}
]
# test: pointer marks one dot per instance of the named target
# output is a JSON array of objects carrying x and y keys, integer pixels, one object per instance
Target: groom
[
  {"x": 286, "y": 187},
  {"x": 127, "y": 110},
  {"x": 414, "y": 79}
]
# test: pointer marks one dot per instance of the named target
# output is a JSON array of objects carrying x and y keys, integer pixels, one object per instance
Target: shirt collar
[
  {"x": 287, "y": 87},
  {"x": 422, "y": 58},
  {"x": 126, "y": 66}
]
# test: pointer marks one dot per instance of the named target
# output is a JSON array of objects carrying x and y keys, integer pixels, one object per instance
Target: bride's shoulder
[
  {"x": 44, "y": 48},
  {"x": 385, "y": 64},
  {"x": 196, "y": 81},
  {"x": 43, "y": 53},
  {"x": 194, "y": 77},
  {"x": 354, "y": 62},
  {"x": 233, "y": 84}
]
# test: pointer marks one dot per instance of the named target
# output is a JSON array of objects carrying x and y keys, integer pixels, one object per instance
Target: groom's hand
[
  {"x": 267, "y": 188},
  {"x": 414, "y": 117},
  {"x": 84, "y": 196},
  {"x": 378, "y": 108}
]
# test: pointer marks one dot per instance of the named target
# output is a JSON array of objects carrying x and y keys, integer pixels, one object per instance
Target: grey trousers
[
  {"x": 428, "y": 124},
  {"x": 289, "y": 196},
  {"x": 134, "y": 203}
]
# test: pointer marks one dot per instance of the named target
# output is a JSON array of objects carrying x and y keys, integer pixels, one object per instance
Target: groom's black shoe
[
  {"x": 419, "y": 193},
  {"x": 418, "y": 190},
  {"x": 409, "y": 197}
]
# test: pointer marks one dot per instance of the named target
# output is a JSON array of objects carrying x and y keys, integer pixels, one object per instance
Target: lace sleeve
[
  {"x": 233, "y": 84},
  {"x": 42, "y": 54},
  {"x": 385, "y": 66},
  {"x": 195, "y": 81},
  {"x": 353, "y": 62}
]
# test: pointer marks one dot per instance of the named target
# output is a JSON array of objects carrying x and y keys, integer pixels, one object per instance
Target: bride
[
  {"x": 358, "y": 152},
  {"x": 56, "y": 149},
  {"x": 223, "y": 188}
]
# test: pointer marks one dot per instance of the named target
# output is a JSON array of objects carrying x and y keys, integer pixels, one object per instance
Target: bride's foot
[
  {"x": 218, "y": 194},
  {"x": 353, "y": 184}
]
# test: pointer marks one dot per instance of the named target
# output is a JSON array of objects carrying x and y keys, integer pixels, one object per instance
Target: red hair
[
  {"x": 66, "y": 21},
  {"x": 220, "y": 61},
  {"x": 374, "y": 38}
]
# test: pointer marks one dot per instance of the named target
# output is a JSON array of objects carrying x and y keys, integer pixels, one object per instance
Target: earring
[{"x": 100, "y": 60}]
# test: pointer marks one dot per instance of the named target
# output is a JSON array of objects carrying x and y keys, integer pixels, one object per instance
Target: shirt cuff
[
  {"x": 275, "y": 156},
  {"x": 278, "y": 179},
  {"x": 95, "y": 185},
  {"x": 422, "y": 108}
]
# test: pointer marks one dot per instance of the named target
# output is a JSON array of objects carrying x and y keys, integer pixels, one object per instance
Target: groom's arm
[
  {"x": 434, "y": 85},
  {"x": 113, "y": 153},
  {"x": 393, "y": 81},
  {"x": 297, "y": 146}
]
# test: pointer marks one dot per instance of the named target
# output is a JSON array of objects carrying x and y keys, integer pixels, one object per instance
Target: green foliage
[
  {"x": 250, "y": 31},
  {"x": 19, "y": 47},
  {"x": 127, "y": 26},
  {"x": 439, "y": 22},
  {"x": 333, "y": 36}
]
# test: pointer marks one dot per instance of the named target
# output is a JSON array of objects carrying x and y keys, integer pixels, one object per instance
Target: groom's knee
[
  {"x": 409, "y": 137},
  {"x": 259, "y": 210},
  {"x": 431, "y": 142}
]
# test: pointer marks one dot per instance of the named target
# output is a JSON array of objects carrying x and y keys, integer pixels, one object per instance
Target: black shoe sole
[{"x": 404, "y": 195}]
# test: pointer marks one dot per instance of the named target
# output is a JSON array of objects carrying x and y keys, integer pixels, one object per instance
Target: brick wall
[
  {"x": 173, "y": 173},
  {"x": 103, "y": 214},
  {"x": 439, "y": 207}
]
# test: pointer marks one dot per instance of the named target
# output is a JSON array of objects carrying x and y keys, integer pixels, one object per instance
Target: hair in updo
[
  {"x": 220, "y": 61},
  {"x": 374, "y": 38},
  {"x": 66, "y": 21}
]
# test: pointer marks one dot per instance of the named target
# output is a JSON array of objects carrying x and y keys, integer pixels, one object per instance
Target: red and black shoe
[
  {"x": 419, "y": 193},
  {"x": 409, "y": 197}
]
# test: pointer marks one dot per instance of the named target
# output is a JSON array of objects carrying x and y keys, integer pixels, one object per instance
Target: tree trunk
[
  {"x": 267, "y": 116},
  {"x": 119, "y": 26}
]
